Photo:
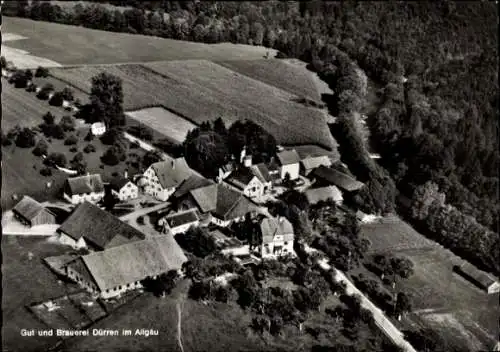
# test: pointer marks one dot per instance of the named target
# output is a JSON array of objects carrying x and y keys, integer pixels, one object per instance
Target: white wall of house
[
  {"x": 98, "y": 130},
  {"x": 225, "y": 223},
  {"x": 291, "y": 169},
  {"x": 184, "y": 228},
  {"x": 129, "y": 191},
  {"x": 92, "y": 197},
  {"x": 255, "y": 188},
  {"x": 116, "y": 291},
  {"x": 494, "y": 288},
  {"x": 153, "y": 187},
  {"x": 237, "y": 251},
  {"x": 66, "y": 240},
  {"x": 276, "y": 248},
  {"x": 75, "y": 276}
]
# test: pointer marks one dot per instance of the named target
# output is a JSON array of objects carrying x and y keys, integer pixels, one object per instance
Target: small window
[{"x": 286, "y": 243}]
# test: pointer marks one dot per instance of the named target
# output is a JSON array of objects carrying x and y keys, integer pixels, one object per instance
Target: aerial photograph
[{"x": 276, "y": 176}]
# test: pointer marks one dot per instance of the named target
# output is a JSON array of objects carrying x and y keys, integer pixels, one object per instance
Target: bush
[
  {"x": 112, "y": 156},
  {"x": 41, "y": 148},
  {"x": 31, "y": 88},
  {"x": 89, "y": 137},
  {"x": 46, "y": 171},
  {"x": 89, "y": 148},
  {"x": 43, "y": 94},
  {"x": 48, "y": 118},
  {"x": 140, "y": 220},
  {"x": 67, "y": 94},
  {"x": 41, "y": 72},
  {"x": 73, "y": 149},
  {"x": 134, "y": 145},
  {"x": 58, "y": 159},
  {"x": 20, "y": 79},
  {"x": 71, "y": 140},
  {"x": 25, "y": 138},
  {"x": 67, "y": 123},
  {"x": 57, "y": 132},
  {"x": 57, "y": 99}
]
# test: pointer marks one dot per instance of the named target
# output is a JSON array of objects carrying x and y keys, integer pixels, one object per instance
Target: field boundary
[{"x": 172, "y": 111}]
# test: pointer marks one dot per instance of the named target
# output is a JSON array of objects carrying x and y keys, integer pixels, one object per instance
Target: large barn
[
  {"x": 29, "y": 212},
  {"x": 479, "y": 278}
]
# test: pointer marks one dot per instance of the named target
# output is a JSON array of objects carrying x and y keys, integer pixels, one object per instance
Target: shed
[
  {"x": 480, "y": 278},
  {"x": 32, "y": 213}
]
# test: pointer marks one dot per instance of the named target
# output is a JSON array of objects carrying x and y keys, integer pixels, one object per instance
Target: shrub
[
  {"x": 48, "y": 118},
  {"x": 67, "y": 94},
  {"x": 112, "y": 156},
  {"x": 89, "y": 137},
  {"x": 43, "y": 94},
  {"x": 20, "y": 79},
  {"x": 73, "y": 149},
  {"x": 46, "y": 171},
  {"x": 134, "y": 145},
  {"x": 41, "y": 148},
  {"x": 25, "y": 138},
  {"x": 41, "y": 72},
  {"x": 114, "y": 174},
  {"x": 67, "y": 123},
  {"x": 58, "y": 159},
  {"x": 71, "y": 140},
  {"x": 57, "y": 99},
  {"x": 140, "y": 220},
  {"x": 31, "y": 87},
  {"x": 89, "y": 148}
]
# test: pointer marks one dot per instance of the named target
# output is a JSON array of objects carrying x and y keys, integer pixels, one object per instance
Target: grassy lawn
[
  {"x": 25, "y": 281},
  {"x": 291, "y": 78},
  {"x": 73, "y": 45},
  {"x": 200, "y": 90},
  {"x": 24, "y": 108}
]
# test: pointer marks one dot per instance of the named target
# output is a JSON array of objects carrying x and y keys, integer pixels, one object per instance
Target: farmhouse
[
  {"x": 312, "y": 156},
  {"x": 192, "y": 182},
  {"x": 480, "y": 278},
  {"x": 229, "y": 245},
  {"x": 90, "y": 226},
  {"x": 98, "y": 128},
  {"x": 327, "y": 176},
  {"x": 264, "y": 175},
  {"x": 221, "y": 204},
  {"x": 124, "y": 189},
  {"x": 163, "y": 177},
  {"x": 88, "y": 188},
  {"x": 315, "y": 195},
  {"x": 119, "y": 269},
  {"x": 277, "y": 237},
  {"x": 180, "y": 222},
  {"x": 289, "y": 164},
  {"x": 247, "y": 182},
  {"x": 29, "y": 212}
]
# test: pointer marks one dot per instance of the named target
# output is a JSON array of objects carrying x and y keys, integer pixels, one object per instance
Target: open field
[
  {"x": 72, "y": 45},
  {"x": 165, "y": 122},
  {"x": 441, "y": 298},
  {"x": 17, "y": 271},
  {"x": 291, "y": 78},
  {"x": 202, "y": 90},
  {"x": 24, "y": 108}
]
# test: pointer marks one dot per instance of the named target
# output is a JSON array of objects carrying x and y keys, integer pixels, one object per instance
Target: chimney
[{"x": 125, "y": 174}]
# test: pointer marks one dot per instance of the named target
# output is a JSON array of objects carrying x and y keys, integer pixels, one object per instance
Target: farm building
[
  {"x": 90, "y": 226},
  {"x": 289, "y": 164},
  {"x": 98, "y": 128},
  {"x": 480, "y": 278},
  {"x": 263, "y": 174},
  {"x": 229, "y": 245},
  {"x": 225, "y": 171},
  {"x": 88, "y": 188},
  {"x": 315, "y": 195},
  {"x": 29, "y": 212},
  {"x": 327, "y": 176},
  {"x": 247, "y": 182},
  {"x": 312, "y": 156},
  {"x": 124, "y": 189},
  {"x": 163, "y": 177},
  {"x": 277, "y": 237},
  {"x": 119, "y": 269},
  {"x": 218, "y": 202},
  {"x": 180, "y": 222},
  {"x": 274, "y": 170}
]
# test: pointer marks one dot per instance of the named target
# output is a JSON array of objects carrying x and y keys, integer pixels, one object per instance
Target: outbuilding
[{"x": 29, "y": 212}]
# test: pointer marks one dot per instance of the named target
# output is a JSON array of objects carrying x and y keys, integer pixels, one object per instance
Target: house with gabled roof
[
  {"x": 87, "y": 188},
  {"x": 313, "y": 156},
  {"x": 192, "y": 182},
  {"x": 116, "y": 270},
  {"x": 90, "y": 226},
  {"x": 29, "y": 212},
  {"x": 247, "y": 182},
  {"x": 180, "y": 222},
  {"x": 481, "y": 279},
  {"x": 163, "y": 177},
  {"x": 289, "y": 164},
  {"x": 325, "y": 176},
  {"x": 219, "y": 203},
  {"x": 316, "y": 195},
  {"x": 277, "y": 237},
  {"x": 123, "y": 188}
]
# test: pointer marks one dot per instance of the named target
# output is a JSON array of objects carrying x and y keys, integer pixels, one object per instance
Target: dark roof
[
  {"x": 288, "y": 157},
  {"x": 262, "y": 172},
  {"x": 119, "y": 182},
  {"x": 28, "y": 208},
  {"x": 192, "y": 182},
  {"x": 172, "y": 172},
  {"x": 241, "y": 177},
  {"x": 85, "y": 184},
  {"x": 315, "y": 195},
  {"x": 482, "y": 278},
  {"x": 99, "y": 227},
  {"x": 134, "y": 261},
  {"x": 182, "y": 218},
  {"x": 222, "y": 201},
  {"x": 337, "y": 178},
  {"x": 271, "y": 227},
  {"x": 314, "y": 151}
]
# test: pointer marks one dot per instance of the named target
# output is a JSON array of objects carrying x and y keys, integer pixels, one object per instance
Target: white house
[
  {"x": 289, "y": 162},
  {"x": 98, "y": 128},
  {"x": 247, "y": 182},
  {"x": 162, "y": 178},
  {"x": 277, "y": 237},
  {"x": 181, "y": 221},
  {"x": 88, "y": 188},
  {"x": 124, "y": 189}
]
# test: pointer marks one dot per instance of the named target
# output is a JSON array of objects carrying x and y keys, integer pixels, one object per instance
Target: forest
[{"x": 436, "y": 63}]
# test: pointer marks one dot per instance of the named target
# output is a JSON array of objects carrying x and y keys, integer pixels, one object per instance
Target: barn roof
[
  {"x": 98, "y": 226},
  {"x": 85, "y": 184},
  {"x": 172, "y": 172},
  {"x": 222, "y": 201},
  {"x": 241, "y": 177},
  {"x": 262, "y": 172},
  {"x": 28, "y": 208},
  {"x": 194, "y": 181},
  {"x": 314, "y": 151},
  {"x": 119, "y": 182},
  {"x": 315, "y": 195},
  {"x": 311, "y": 163},
  {"x": 337, "y": 178},
  {"x": 288, "y": 157},
  {"x": 481, "y": 277},
  {"x": 182, "y": 218},
  {"x": 134, "y": 261},
  {"x": 271, "y": 227}
]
